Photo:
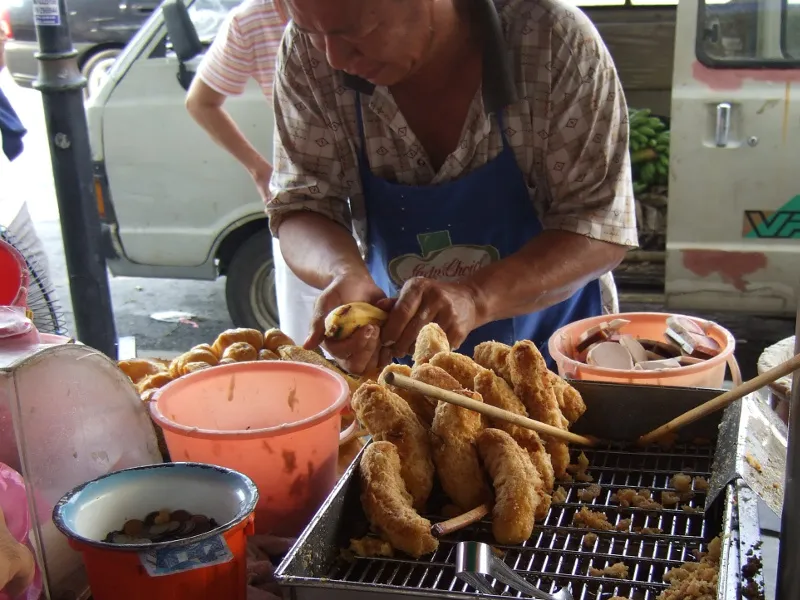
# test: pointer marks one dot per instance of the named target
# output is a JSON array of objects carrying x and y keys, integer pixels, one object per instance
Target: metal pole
[
  {"x": 788, "y": 584},
  {"x": 61, "y": 84}
]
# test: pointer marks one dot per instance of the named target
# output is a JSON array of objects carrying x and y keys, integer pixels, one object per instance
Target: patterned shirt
[
  {"x": 568, "y": 128},
  {"x": 246, "y": 46}
]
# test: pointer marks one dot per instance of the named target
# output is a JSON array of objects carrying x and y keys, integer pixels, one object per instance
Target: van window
[
  {"x": 791, "y": 30},
  {"x": 209, "y": 15},
  {"x": 749, "y": 33}
]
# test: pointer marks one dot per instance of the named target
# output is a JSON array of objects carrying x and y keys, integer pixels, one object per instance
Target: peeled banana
[{"x": 344, "y": 321}]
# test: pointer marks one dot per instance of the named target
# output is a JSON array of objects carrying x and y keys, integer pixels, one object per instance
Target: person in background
[
  {"x": 244, "y": 49},
  {"x": 11, "y": 129},
  {"x": 478, "y": 149}
]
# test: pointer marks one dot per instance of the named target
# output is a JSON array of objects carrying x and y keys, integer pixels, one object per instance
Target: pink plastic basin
[
  {"x": 277, "y": 422},
  {"x": 708, "y": 374}
]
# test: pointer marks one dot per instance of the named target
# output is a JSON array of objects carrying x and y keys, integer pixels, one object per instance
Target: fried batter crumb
[
  {"x": 701, "y": 484},
  {"x": 753, "y": 462},
  {"x": 617, "y": 571},
  {"x": 589, "y": 540},
  {"x": 641, "y": 499},
  {"x": 591, "y": 520},
  {"x": 370, "y": 547},
  {"x": 560, "y": 495},
  {"x": 691, "y": 509},
  {"x": 669, "y": 498},
  {"x": 579, "y": 470},
  {"x": 618, "y": 598},
  {"x": 695, "y": 580},
  {"x": 682, "y": 482},
  {"x": 623, "y": 525},
  {"x": 652, "y": 531},
  {"x": 588, "y": 494}
]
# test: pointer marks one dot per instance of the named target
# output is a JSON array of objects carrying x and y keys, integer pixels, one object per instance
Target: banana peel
[{"x": 344, "y": 321}]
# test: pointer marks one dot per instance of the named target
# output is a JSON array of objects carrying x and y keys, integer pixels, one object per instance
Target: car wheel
[
  {"x": 96, "y": 68},
  {"x": 250, "y": 284}
]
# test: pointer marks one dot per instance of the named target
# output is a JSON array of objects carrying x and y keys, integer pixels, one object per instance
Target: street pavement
[{"x": 135, "y": 300}]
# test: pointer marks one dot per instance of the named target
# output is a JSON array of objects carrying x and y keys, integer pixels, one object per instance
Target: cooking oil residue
[
  {"x": 292, "y": 400},
  {"x": 231, "y": 388},
  {"x": 289, "y": 461}
]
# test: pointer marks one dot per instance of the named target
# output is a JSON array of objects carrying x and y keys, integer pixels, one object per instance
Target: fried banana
[
  {"x": 389, "y": 418},
  {"x": 430, "y": 341},
  {"x": 496, "y": 392},
  {"x": 422, "y": 406},
  {"x": 435, "y": 376},
  {"x": 387, "y": 503},
  {"x": 530, "y": 379},
  {"x": 515, "y": 483},
  {"x": 568, "y": 398},
  {"x": 460, "y": 367},
  {"x": 494, "y": 356},
  {"x": 454, "y": 432}
]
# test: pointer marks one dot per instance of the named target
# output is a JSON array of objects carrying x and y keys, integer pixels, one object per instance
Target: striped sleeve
[{"x": 230, "y": 61}]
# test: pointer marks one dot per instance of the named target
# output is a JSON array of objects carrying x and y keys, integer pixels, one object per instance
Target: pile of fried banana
[
  {"x": 233, "y": 346},
  {"x": 478, "y": 461}
]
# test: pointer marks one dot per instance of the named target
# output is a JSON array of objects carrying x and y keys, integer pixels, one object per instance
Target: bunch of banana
[
  {"x": 344, "y": 321},
  {"x": 649, "y": 146}
]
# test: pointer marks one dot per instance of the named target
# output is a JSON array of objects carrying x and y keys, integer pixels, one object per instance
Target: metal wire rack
[{"x": 560, "y": 553}]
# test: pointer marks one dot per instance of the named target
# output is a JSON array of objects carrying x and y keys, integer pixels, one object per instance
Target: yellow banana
[{"x": 344, "y": 321}]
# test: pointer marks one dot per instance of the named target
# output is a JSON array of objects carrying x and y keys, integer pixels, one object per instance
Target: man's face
[{"x": 382, "y": 41}]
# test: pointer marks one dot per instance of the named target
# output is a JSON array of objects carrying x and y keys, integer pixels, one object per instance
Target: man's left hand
[{"x": 421, "y": 301}]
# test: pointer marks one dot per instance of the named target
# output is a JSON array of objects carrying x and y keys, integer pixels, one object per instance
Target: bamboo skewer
[
  {"x": 493, "y": 412},
  {"x": 461, "y": 521},
  {"x": 722, "y": 400}
]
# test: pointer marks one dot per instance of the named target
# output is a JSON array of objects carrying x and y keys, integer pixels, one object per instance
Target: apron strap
[{"x": 361, "y": 134}]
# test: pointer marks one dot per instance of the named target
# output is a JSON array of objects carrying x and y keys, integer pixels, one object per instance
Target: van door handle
[{"x": 723, "y": 130}]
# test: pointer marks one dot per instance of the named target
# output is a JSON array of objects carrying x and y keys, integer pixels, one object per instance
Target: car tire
[
  {"x": 94, "y": 66},
  {"x": 250, "y": 284}
]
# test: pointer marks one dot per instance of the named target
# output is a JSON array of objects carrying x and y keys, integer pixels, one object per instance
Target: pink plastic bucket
[
  {"x": 708, "y": 374},
  {"x": 277, "y": 422}
]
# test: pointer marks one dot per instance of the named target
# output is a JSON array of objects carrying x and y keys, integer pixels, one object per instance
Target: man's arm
[
  {"x": 308, "y": 207},
  {"x": 206, "y": 107},
  {"x": 590, "y": 222},
  {"x": 546, "y": 271}
]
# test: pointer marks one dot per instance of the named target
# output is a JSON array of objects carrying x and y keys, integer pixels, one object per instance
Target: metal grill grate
[{"x": 555, "y": 555}]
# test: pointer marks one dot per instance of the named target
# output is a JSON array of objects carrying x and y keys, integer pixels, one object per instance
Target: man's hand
[
  {"x": 261, "y": 175},
  {"x": 361, "y": 352},
  {"x": 421, "y": 301}
]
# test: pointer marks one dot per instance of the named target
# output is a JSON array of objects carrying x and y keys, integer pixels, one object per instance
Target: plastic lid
[{"x": 13, "y": 322}]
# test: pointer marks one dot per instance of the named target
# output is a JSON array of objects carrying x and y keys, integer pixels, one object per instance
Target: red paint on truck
[{"x": 731, "y": 266}]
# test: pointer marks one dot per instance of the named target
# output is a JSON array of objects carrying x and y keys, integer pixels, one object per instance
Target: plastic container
[
  {"x": 708, "y": 374},
  {"x": 278, "y": 422},
  {"x": 210, "y": 566},
  {"x": 14, "y": 276},
  {"x": 14, "y": 507}
]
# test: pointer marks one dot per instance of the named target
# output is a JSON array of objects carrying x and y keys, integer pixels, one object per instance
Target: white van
[{"x": 725, "y": 75}]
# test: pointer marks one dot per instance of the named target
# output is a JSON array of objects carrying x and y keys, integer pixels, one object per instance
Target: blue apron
[
  {"x": 11, "y": 129},
  {"x": 448, "y": 231}
]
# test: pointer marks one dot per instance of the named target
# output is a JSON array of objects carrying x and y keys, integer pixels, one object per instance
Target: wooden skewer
[
  {"x": 722, "y": 400},
  {"x": 493, "y": 412},
  {"x": 461, "y": 521}
]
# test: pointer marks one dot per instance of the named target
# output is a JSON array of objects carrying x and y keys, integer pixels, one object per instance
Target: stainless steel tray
[{"x": 315, "y": 568}]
